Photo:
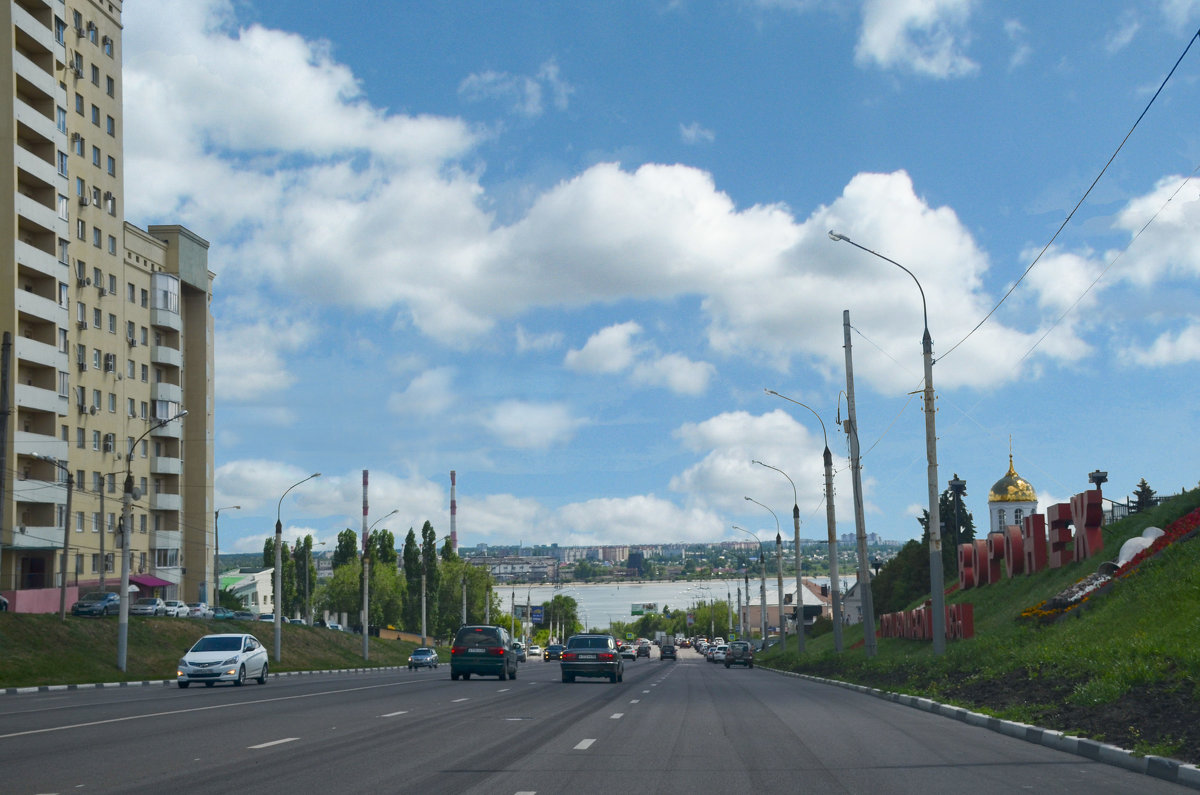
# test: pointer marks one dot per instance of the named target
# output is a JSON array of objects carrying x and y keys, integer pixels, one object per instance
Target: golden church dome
[{"x": 1012, "y": 488}]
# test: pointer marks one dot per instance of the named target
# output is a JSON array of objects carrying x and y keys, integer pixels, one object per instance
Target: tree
[
  {"x": 346, "y": 549},
  {"x": 429, "y": 563},
  {"x": 903, "y": 580},
  {"x": 448, "y": 552},
  {"x": 1143, "y": 496},
  {"x": 387, "y": 595},
  {"x": 383, "y": 548},
  {"x": 286, "y": 601},
  {"x": 411, "y": 616},
  {"x": 951, "y": 536},
  {"x": 343, "y": 592}
]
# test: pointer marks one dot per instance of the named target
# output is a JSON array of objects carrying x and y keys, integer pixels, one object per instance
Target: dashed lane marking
[
  {"x": 274, "y": 742},
  {"x": 583, "y": 745}
]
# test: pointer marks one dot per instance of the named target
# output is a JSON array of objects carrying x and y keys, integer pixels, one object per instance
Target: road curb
[
  {"x": 1159, "y": 767},
  {"x": 12, "y": 691}
]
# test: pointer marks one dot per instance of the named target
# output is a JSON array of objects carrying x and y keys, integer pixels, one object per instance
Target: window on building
[
  {"x": 131, "y": 368},
  {"x": 106, "y": 44},
  {"x": 95, "y": 521},
  {"x": 96, "y": 156},
  {"x": 112, "y": 402},
  {"x": 96, "y": 236},
  {"x": 80, "y": 438},
  {"x": 132, "y": 407},
  {"x": 79, "y": 103},
  {"x": 110, "y": 86},
  {"x": 79, "y": 516},
  {"x": 95, "y": 75},
  {"x": 63, "y": 205},
  {"x": 95, "y": 562},
  {"x": 112, "y": 323},
  {"x": 78, "y": 142},
  {"x": 144, "y": 335},
  {"x": 145, "y": 298},
  {"x": 61, "y": 119},
  {"x": 112, "y": 284},
  {"x": 80, "y": 187},
  {"x": 95, "y": 440},
  {"x": 60, "y": 31},
  {"x": 112, "y": 247},
  {"x": 96, "y": 358},
  {"x": 145, "y": 374},
  {"x": 132, "y": 292},
  {"x": 62, "y": 164},
  {"x": 81, "y": 229},
  {"x": 110, "y": 125},
  {"x": 97, "y": 316},
  {"x": 96, "y": 119}
]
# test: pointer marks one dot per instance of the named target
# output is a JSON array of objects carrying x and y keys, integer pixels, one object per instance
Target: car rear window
[
  {"x": 587, "y": 643},
  {"x": 481, "y": 636}
]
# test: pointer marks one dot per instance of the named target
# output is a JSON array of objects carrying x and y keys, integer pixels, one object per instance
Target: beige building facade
[{"x": 111, "y": 333}]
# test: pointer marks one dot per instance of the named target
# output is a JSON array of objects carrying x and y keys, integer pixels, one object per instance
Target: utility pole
[
  {"x": 782, "y": 620},
  {"x": 860, "y": 522},
  {"x": 5, "y": 413},
  {"x": 366, "y": 571}
]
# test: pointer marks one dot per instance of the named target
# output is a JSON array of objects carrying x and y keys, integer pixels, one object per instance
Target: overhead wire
[{"x": 1082, "y": 199}]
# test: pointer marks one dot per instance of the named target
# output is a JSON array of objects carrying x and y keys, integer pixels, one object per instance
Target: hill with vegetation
[{"x": 1121, "y": 665}]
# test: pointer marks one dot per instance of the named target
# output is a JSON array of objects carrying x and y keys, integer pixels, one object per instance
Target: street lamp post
[
  {"x": 62, "y": 590},
  {"x": 279, "y": 562},
  {"x": 307, "y": 562},
  {"x": 779, "y": 556},
  {"x": 126, "y": 530},
  {"x": 366, "y": 573},
  {"x": 799, "y": 571},
  {"x": 762, "y": 587},
  {"x": 835, "y": 589},
  {"x": 936, "y": 577},
  {"x": 216, "y": 598}
]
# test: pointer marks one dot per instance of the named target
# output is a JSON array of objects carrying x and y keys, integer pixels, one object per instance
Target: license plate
[
  {"x": 476, "y": 651},
  {"x": 587, "y": 656}
]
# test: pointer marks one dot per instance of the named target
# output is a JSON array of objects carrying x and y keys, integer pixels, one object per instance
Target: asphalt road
[{"x": 669, "y": 727}]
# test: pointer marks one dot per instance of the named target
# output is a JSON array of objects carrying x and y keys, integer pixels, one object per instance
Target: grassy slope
[
  {"x": 41, "y": 650},
  {"x": 1133, "y": 647}
]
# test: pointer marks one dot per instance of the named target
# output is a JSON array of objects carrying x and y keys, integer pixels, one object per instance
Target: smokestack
[{"x": 453, "y": 516}]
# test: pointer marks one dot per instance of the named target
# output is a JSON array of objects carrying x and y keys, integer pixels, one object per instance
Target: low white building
[{"x": 254, "y": 588}]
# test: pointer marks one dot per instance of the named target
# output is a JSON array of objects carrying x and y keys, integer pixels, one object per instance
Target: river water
[{"x": 602, "y": 604}]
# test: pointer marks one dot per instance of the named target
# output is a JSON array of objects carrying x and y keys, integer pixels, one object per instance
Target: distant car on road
[
  {"x": 199, "y": 610},
  {"x": 97, "y": 603},
  {"x": 223, "y": 658},
  {"x": 592, "y": 655},
  {"x": 667, "y": 652},
  {"x": 553, "y": 652},
  {"x": 718, "y": 655},
  {"x": 739, "y": 653},
  {"x": 520, "y": 651},
  {"x": 643, "y": 650},
  {"x": 148, "y": 606},
  {"x": 422, "y": 658},
  {"x": 484, "y": 650},
  {"x": 534, "y": 650},
  {"x": 176, "y": 608},
  {"x": 627, "y": 652}
]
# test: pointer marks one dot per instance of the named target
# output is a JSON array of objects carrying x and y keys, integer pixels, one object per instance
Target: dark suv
[
  {"x": 483, "y": 650},
  {"x": 667, "y": 652},
  {"x": 592, "y": 655},
  {"x": 739, "y": 653}
]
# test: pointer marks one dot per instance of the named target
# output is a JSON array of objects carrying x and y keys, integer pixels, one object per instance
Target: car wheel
[
  {"x": 453, "y": 676},
  {"x": 262, "y": 676},
  {"x": 241, "y": 678},
  {"x": 612, "y": 679},
  {"x": 568, "y": 678},
  {"x": 727, "y": 665},
  {"x": 183, "y": 684},
  {"x": 503, "y": 674},
  {"x": 513, "y": 675},
  {"x": 466, "y": 676},
  {"x": 751, "y": 665}
]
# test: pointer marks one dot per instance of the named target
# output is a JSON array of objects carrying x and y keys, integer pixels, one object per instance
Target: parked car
[
  {"x": 297, "y": 621},
  {"x": 199, "y": 610},
  {"x": 643, "y": 650},
  {"x": 223, "y": 658},
  {"x": 223, "y": 613},
  {"x": 267, "y": 617},
  {"x": 592, "y": 655},
  {"x": 484, "y": 650},
  {"x": 422, "y": 658},
  {"x": 334, "y": 625},
  {"x": 176, "y": 608},
  {"x": 243, "y": 615},
  {"x": 553, "y": 652},
  {"x": 148, "y": 606},
  {"x": 97, "y": 603},
  {"x": 739, "y": 653},
  {"x": 667, "y": 652}
]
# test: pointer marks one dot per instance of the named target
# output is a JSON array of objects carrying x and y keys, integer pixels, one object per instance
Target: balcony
[
  {"x": 40, "y": 353},
  {"x": 37, "y": 537},
  {"x": 42, "y": 308},
  {"x": 33, "y": 258},
  {"x": 166, "y": 502},
  {"x": 38, "y": 213},
  {"x": 162, "y": 390},
  {"x": 25, "y": 443},
  {"x": 161, "y": 354},
  {"x": 38, "y": 399},
  {"x": 165, "y": 318},
  {"x": 162, "y": 465}
]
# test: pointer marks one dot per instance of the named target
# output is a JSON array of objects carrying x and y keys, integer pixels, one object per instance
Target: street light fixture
[
  {"x": 126, "y": 530},
  {"x": 216, "y": 594},
  {"x": 62, "y": 590},
  {"x": 279, "y": 562},
  {"x": 799, "y": 572},
  {"x": 762, "y": 588},
  {"x": 937, "y": 593},
  {"x": 779, "y": 558}
]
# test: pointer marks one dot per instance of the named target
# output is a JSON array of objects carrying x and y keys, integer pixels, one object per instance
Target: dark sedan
[
  {"x": 592, "y": 655},
  {"x": 667, "y": 652},
  {"x": 97, "y": 603},
  {"x": 553, "y": 652}
]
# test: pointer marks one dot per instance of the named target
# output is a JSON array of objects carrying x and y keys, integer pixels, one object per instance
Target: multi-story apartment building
[{"x": 111, "y": 332}]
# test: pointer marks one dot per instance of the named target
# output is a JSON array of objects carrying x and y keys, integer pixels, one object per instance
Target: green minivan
[{"x": 484, "y": 650}]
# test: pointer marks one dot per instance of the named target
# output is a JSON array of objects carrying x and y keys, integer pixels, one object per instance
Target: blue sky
[{"x": 563, "y": 248}]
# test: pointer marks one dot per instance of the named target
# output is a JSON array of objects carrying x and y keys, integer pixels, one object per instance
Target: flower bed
[{"x": 1057, "y": 607}]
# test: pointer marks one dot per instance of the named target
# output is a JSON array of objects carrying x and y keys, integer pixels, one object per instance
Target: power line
[{"x": 1082, "y": 199}]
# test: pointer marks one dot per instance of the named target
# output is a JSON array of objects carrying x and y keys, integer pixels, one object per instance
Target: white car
[
  {"x": 176, "y": 608},
  {"x": 719, "y": 653},
  {"x": 199, "y": 610},
  {"x": 223, "y": 658},
  {"x": 535, "y": 650}
]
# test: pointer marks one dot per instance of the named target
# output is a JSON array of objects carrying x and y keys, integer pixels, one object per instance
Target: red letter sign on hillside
[
  {"x": 1062, "y": 544},
  {"x": 1034, "y": 540},
  {"x": 1014, "y": 550},
  {"x": 1088, "y": 516}
]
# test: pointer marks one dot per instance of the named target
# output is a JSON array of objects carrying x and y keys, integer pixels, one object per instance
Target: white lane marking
[
  {"x": 645, "y": 691},
  {"x": 635, "y": 701},
  {"x": 165, "y": 713},
  {"x": 457, "y": 700},
  {"x": 394, "y": 714},
  {"x": 617, "y": 715},
  {"x": 584, "y": 745},
  {"x": 274, "y": 742},
  {"x": 503, "y": 690}
]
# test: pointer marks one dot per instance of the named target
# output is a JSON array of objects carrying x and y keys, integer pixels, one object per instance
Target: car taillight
[
  {"x": 607, "y": 655},
  {"x": 458, "y": 650},
  {"x": 568, "y": 655},
  {"x": 496, "y": 650}
]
